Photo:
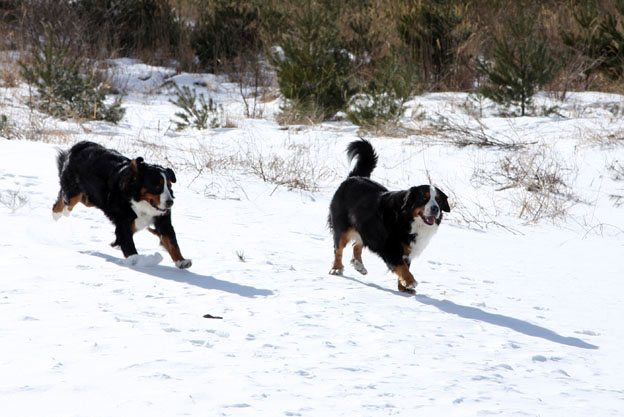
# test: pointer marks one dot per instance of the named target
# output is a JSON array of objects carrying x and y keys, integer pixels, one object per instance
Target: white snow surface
[{"x": 519, "y": 320}]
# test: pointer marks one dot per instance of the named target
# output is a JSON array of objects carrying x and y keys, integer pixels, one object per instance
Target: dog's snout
[
  {"x": 435, "y": 210},
  {"x": 169, "y": 203}
]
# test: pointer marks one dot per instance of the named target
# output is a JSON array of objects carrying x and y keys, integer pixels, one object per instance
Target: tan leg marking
[
  {"x": 337, "y": 268},
  {"x": 80, "y": 198},
  {"x": 58, "y": 206},
  {"x": 73, "y": 201},
  {"x": 85, "y": 200},
  {"x": 174, "y": 250},
  {"x": 407, "y": 283},
  {"x": 406, "y": 249},
  {"x": 357, "y": 251}
]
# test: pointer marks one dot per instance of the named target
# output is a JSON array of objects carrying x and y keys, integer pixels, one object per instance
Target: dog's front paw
[
  {"x": 143, "y": 260},
  {"x": 335, "y": 271},
  {"x": 133, "y": 260},
  {"x": 184, "y": 263},
  {"x": 408, "y": 288},
  {"x": 359, "y": 266}
]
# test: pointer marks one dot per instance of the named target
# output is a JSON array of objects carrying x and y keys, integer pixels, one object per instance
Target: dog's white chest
[
  {"x": 424, "y": 233},
  {"x": 145, "y": 214}
]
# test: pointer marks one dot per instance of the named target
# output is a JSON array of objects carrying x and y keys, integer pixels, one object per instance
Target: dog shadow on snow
[
  {"x": 187, "y": 277},
  {"x": 475, "y": 313}
]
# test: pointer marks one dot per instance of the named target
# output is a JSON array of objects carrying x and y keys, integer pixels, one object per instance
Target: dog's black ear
[
  {"x": 128, "y": 174},
  {"x": 170, "y": 175},
  {"x": 406, "y": 203},
  {"x": 444, "y": 205}
]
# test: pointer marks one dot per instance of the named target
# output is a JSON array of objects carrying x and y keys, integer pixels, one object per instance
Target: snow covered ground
[{"x": 512, "y": 317}]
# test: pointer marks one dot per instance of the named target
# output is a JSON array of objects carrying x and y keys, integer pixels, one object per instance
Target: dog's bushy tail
[
  {"x": 61, "y": 158},
  {"x": 366, "y": 158}
]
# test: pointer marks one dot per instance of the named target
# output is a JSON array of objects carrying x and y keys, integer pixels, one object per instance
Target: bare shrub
[
  {"x": 463, "y": 135},
  {"x": 537, "y": 183},
  {"x": 203, "y": 159},
  {"x": 254, "y": 80},
  {"x": 9, "y": 71},
  {"x": 475, "y": 214},
  {"x": 617, "y": 173},
  {"x": 604, "y": 137},
  {"x": 41, "y": 128},
  {"x": 13, "y": 200},
  {"x": 7, "y": 127},
  {"x": 296, "y": 169},
  {"x": 300, "y": 113}
]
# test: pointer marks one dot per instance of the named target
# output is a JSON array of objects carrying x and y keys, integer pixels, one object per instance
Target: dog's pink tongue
[{"x": 429, "y": 219}]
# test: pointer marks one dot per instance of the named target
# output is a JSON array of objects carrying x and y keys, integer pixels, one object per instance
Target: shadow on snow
[
  {"x": 187, "y": 277},
  {"x": 474, "y": 313}
]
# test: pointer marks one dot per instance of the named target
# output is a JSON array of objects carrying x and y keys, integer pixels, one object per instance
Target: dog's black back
[{"x": 102, "y": 174}]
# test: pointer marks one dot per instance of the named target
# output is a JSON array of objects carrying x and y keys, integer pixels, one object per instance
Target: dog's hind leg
[
  {"x": 59, "y": 208},
  {"x": 340, "y": 241},
  {"x": 357, "y": 263},
  {"x": 64, "y": 204}
]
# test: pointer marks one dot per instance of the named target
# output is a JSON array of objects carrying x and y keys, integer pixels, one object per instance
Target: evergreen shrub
[
  {"x": 383, "y": 100},
  {"x": 523, "y": 62},
  {"x": 599, "y": 38},
  {"x": 130, "y": 25},
  {"x": 227, "y": 30},
  {"x": 195, "y": 110},
  {"x": 313, "y": 67},
  {"x": 63, "y": 91}
]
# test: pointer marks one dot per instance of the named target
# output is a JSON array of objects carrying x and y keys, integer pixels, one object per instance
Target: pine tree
[
  {"x": 612, "y": 62},
  {"x": 523, "y": 62},
  {"x": 599, "y": 39},
  {"x": 63, "y": 90},
  {"x": 433, "y": 31},
  {"x": 227, "y": 30},
  {"x": 312, "y": 64}
]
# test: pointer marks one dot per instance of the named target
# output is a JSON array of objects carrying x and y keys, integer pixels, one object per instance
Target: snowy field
[{"x": 517, "y": 313}]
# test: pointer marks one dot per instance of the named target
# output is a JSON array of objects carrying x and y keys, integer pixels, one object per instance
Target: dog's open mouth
[
  {"x": 158, "y": 208},
  {"x": 430, "y": 220}
]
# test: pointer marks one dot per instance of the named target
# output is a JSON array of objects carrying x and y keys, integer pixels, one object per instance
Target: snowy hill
[{"x": 514, "y": 316}]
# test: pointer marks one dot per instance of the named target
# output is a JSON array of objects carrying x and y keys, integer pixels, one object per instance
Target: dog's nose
[
  {"x": 169, "y": 203},
  {"x": 435, "y": 210}
]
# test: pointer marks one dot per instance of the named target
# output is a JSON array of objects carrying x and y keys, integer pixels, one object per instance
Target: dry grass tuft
[
  {"x": 13, "y": 200},
  {"x": 536, "y": 182},
  {"x": 297, "y": 168}
]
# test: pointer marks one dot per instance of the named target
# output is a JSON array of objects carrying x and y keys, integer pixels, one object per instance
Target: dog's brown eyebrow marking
[
  {"x": 417, "y": 211},
  {"x": 149, "y": 197}
]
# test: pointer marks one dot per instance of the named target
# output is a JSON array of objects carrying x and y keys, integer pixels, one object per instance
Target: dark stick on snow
[{"x": 209, "y": 316}]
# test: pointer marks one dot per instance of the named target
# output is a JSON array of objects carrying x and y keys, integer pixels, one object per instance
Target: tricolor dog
[
  {"x": 133, "y": 194},
  {"x": 396, "y": 225}
]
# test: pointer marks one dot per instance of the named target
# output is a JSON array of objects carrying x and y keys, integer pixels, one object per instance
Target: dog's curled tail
[
  {"x": 366, "y": 158},
  {"x": 61, "y": 159}
]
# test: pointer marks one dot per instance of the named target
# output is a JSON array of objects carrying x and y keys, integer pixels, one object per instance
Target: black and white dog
[
  {"x": 133, "y": 194},
  {"x": 396, "y": 225}
]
